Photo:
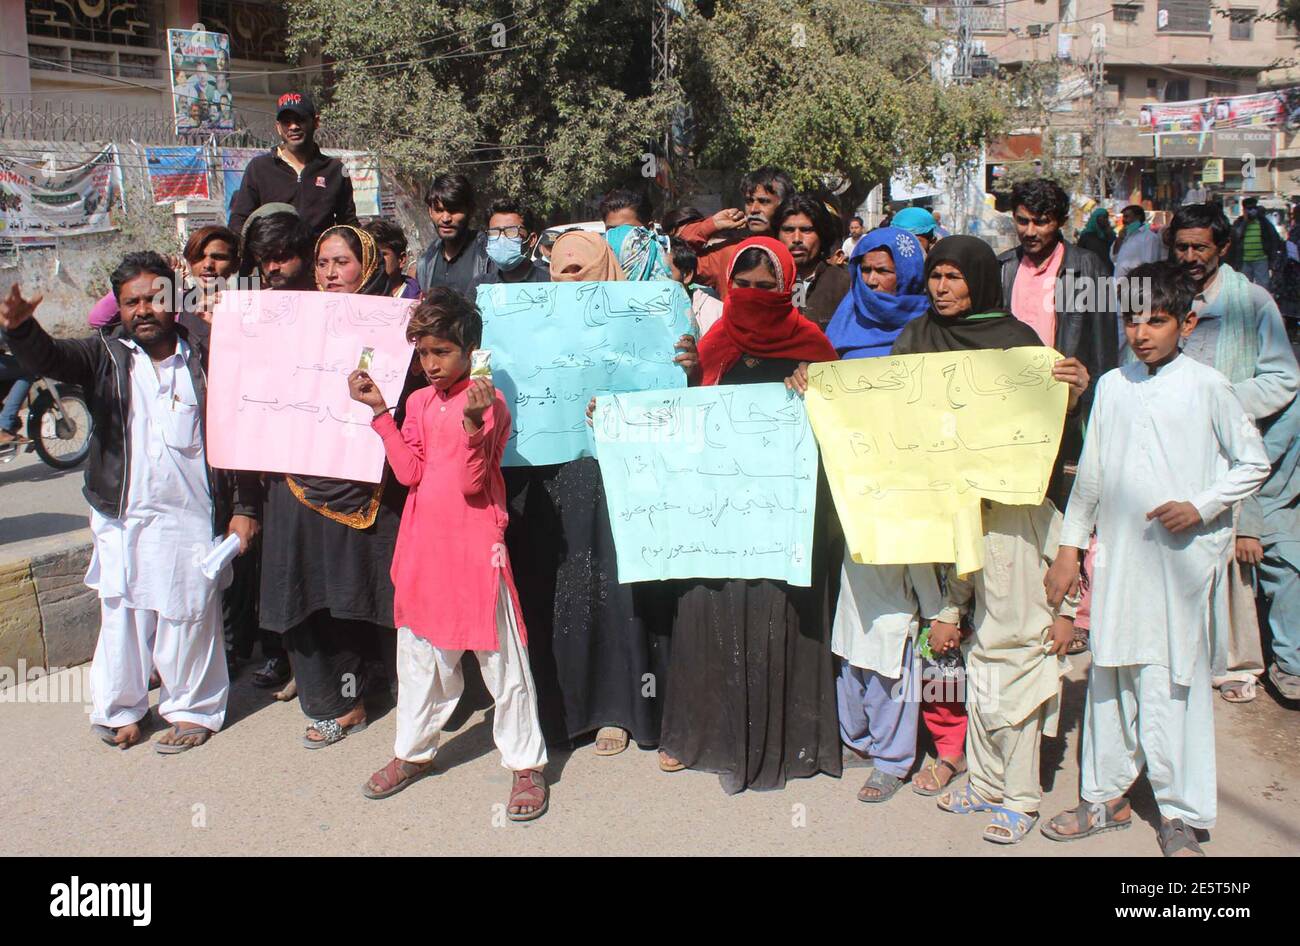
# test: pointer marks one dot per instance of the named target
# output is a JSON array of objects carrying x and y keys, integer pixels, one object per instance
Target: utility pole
[
  {"x": 1098, "y": 69},
  {"x": 962, "y": 67},
  {"x": 661, "y": 70}
]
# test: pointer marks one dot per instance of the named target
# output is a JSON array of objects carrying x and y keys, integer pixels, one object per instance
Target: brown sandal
[
  {"x": 668, "y": 764},
  {"x": 933, "y": 769},
  {"x": 395, "y": 776},
  {"x": 1087, "y": 819},
  {"x": 614, "y": 738},
  {"x": 529, "y": 789},
  {"x": 1079, "y": 642}
]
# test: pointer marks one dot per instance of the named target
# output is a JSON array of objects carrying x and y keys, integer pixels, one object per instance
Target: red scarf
[{"x": 761, "y": 322}]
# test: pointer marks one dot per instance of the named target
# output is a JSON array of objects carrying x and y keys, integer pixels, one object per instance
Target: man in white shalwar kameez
[
  {"x": 153, "y": 510},
  {"x": 1169, "y": 451}
]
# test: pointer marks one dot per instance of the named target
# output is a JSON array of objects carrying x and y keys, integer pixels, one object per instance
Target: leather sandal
[
  {"x": 395, "y": 776},
  {"x": 529, "y": 789}
]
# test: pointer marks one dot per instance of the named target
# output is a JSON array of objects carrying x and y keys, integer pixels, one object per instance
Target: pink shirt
[
  {"x": 451, "y": 546},
  {"x": 1033, "y": 295}
]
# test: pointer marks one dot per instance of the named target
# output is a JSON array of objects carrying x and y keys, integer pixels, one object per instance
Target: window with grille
[
  {"x": 121, "y": 23},
  {"x": 46, "y": 57},
  {"x": 1183, "y": 16},
  {"x": 1125, "y": 12},
  {"x": 137, "y": 67},
  {"x": 1241, "y": 23},
  {"x": 92, "y": 61}
]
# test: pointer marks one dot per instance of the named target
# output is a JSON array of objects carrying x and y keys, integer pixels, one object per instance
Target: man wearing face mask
[
  {"x": 510, "y": 237},
  {"x": 457, "y": 257}
]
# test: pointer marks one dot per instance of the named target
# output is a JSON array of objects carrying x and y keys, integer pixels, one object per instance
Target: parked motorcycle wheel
[{"x": 60, "y": 442}]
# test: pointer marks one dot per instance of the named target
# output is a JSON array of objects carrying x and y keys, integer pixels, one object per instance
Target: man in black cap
[{"x": 296, "y": 172}]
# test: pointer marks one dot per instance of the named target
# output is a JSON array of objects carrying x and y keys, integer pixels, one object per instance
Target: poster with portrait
[{"x": 202, "y": 101}]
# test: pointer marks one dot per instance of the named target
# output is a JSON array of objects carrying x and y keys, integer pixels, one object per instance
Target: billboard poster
[
  {"x": 177, "y": 173},
  {"x": 1259, "y": 110},
  {"x": 39, "y": 202},
  {"x": 200, "y": 75}
]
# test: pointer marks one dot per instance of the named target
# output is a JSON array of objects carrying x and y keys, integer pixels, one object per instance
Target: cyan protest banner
[
  {"x": 716, "y": 482},
  {"x": 556, "y": 345}
]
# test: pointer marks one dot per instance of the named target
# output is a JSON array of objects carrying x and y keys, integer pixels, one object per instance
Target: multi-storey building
[
  {"x": 109, "y": 58},
  {"x": 1113, "y": 58}
]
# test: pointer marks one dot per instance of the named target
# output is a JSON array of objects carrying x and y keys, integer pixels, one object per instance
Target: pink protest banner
[{"x": 278, "y": 381}]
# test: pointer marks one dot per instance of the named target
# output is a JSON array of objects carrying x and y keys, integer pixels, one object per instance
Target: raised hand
[
  {"x": 689, "y": 358},
  {"x": 15, "y": 310},
  {"x": 478, "y": 398},
  {"x": 362, "y": 388},
  {"x": 729, "y": 219}
]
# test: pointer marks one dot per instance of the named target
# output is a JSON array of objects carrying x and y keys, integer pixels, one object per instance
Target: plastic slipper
[
  {"x": 332, "y": 731},
  {"x": 176, "y": 748},
  {"x": 1288, "y": 684},
  {"x": 1090, "y": 818},
  {"x": 852, "y": 759},
  {"x": 884, "y": 783},
  {"x": 963, "y": 801},
  {"x": 1176, "y": 836},
  {"x": 1238, "y": 691},
  {"x": 668, "y": 764},
  {"x": 611, "y": 734},
  {"x": 1016, "y": 823}
]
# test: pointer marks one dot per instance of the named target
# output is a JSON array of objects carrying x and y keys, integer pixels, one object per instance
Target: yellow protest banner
[{"x": 912, "y": 443}]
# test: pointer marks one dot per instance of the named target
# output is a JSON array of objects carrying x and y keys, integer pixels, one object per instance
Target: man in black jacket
[
  {"x": 296, "y": 172},
  {"x": 156, "y": 507},
  {"x": 457, "y": 257}
]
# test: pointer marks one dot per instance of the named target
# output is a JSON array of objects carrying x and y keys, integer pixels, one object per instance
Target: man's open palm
[{"x": 15, "y": 310}]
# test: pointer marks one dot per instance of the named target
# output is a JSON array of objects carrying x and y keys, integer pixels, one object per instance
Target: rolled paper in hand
[
  {"x": 480, "y": 363},
  {"x": 221, "y": 556}
]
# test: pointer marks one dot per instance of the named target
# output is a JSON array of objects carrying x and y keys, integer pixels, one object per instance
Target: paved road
[
  {"x": 254, "y": 790},
  {"x": 41, "y": 509}
]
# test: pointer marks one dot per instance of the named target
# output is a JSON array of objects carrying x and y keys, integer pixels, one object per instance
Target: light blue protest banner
[
  {"x": 716, "y": 482},
  {"x": 556, "y": 345}
]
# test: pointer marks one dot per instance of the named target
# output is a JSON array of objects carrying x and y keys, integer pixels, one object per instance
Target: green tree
[
  {"x": 551, "y": 100},
  {"x": 829, "y": 89}
]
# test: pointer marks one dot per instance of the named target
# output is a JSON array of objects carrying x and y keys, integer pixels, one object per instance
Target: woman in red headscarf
[{"x": 751, "y": 692}]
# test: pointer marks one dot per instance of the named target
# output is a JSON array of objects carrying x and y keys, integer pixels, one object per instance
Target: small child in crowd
[
  {"x": 448, "y": 453},
  {"x": 1169, "y": 451}
]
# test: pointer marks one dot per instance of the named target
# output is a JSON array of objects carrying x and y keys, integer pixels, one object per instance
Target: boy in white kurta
[
  {"x": 1014, "y": 663},
  {"x": 1169, "y": 451}
]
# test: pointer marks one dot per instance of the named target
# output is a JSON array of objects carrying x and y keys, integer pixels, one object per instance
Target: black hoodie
[{"x": 322, "y": 193}]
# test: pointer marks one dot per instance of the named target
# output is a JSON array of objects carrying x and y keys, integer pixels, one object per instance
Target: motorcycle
[{"x": 59, "y": 425}]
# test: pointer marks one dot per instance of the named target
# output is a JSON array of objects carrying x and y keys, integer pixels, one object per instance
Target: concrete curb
[{"x": 48, "y": 617}]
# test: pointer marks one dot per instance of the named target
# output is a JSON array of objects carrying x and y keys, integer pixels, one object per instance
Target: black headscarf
[{"x": 986, "y": 325}]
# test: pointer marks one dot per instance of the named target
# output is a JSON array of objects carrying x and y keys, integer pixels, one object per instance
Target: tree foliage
[
  {"x": 553, "y": 99},
  {"x": 829, "y": 89},
  {"x": 545, "y": 99}
]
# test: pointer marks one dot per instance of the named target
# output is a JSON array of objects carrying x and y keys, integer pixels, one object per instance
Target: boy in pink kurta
[{"x": 454, "y": 588}]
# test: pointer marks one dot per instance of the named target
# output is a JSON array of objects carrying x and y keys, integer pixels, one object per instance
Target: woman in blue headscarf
[
  {"x": 638, "y": 252},
  {"x": 886, "y": 291}
]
